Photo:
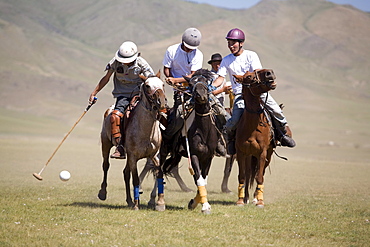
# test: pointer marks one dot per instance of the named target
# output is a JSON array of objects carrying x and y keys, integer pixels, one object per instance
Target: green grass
[
  {"x": 67, "y": 215},
  {"x": 308, "y": 203}
]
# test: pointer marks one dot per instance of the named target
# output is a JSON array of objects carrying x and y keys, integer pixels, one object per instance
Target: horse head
[
  {"x": 199, "y": 83},
  {"x": 153, "y": 90},
  {"x": 264, "y": 79}
]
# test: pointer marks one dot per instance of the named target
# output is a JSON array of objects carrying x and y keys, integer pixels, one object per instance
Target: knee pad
[{"x": 115, "y": 120}]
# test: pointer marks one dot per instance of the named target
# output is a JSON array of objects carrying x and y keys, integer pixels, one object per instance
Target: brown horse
[
  {"x": 254, "y": 145},
  {"x": 142, "y": 140}
]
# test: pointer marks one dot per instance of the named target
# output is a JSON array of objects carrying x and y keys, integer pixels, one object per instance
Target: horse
[
  {"x": 142, "y": 140},
  {"x": 254, "y": 137},
  {"x": 227, "y": 171},
  {"x": 200, "y": 138}
]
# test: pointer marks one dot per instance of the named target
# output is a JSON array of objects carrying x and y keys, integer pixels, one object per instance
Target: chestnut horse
[
  {"x": 254, "y": 136},
  {"x": 142, "y": 140}
]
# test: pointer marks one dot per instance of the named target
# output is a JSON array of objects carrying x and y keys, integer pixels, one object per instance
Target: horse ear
[
  {"x": 144, "y": 78},
  {"x": 158, "y": 74},
  {"x": 239, "y": 78}
]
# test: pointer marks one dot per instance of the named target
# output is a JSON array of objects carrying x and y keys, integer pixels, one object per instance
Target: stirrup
[{"x": 119, "y": 153}]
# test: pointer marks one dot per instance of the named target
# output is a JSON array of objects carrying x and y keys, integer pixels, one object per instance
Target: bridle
[
  {"x": 204, "y": 85},
  {"x": 152, "y": 98},
  {"x": 256, "y": 82}
]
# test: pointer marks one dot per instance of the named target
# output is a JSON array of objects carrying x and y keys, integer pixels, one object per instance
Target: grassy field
[{"x": 317, "y": 198}]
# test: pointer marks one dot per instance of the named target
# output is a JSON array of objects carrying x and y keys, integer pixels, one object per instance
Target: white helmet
[
  {"x": 191, "y": 38},
  {"x": 127, "y": 52}
]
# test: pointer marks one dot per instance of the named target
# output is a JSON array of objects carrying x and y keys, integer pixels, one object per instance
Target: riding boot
[
  {"x": 116, "y": 118},
  {"x": 285, "y": 138}
]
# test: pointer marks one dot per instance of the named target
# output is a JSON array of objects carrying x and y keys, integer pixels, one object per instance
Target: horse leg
[
  {"x": 180, "y": 182},
  {"x": 153, "y": 194},
  {"x": 242, "y": 158},
  {"x": 258, "y": 195},
  {"x": 135, "y": 183},
  {"x": 106, "y": 146},
  {"x": 228, "y": 165},
  {"x": 201, "y": 196},
  {"x": 194, "y": 202},
  {"x": 126, "y": 175},
  {"x": 250, "y": 175},
  {"x": 160, "y": 205},
  {"x": 146, "y": 169}
]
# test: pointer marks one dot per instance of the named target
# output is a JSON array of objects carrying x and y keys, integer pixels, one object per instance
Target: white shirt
[
  {"x": 239, "y": 65},
  {"x": 180, "y": 62}
]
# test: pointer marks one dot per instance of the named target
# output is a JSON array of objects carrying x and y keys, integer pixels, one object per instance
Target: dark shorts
[{"x": 122, "y": 103}]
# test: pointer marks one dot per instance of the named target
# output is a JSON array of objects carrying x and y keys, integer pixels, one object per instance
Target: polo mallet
[
  {"x": 38, "y": 175},
  {"x": 186, "y": 136}
]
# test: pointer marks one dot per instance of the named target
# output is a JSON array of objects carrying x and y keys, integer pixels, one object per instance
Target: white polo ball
[{"x": 64, "y": 175}]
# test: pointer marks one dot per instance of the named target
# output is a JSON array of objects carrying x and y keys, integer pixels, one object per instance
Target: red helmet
[{"x": 236, "y": 34}]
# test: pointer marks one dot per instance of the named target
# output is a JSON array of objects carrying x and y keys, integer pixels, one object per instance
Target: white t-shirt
[
  {"x": 180, "y": 62},
  {"x": 239, "y": 65}
]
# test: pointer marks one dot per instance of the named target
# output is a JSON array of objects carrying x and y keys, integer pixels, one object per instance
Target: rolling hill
[{"x": 53, "y": 53}]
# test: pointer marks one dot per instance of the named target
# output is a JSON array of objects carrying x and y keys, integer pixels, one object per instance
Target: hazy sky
[{"x": 364, "y": 5}]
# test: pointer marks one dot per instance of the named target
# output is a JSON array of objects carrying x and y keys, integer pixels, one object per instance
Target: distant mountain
[{"x": 53, "y": 53}]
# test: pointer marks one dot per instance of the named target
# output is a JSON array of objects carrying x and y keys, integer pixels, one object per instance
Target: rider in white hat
[{"x": 126, "y": 66}]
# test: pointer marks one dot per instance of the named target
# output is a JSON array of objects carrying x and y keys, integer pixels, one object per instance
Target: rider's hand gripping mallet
[{"x": 38, "y": 175}]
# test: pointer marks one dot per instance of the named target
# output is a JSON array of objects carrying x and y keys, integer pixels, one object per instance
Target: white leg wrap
[
  {"x": 206, "y": 207},
  {"x": 201, "y": 181}
]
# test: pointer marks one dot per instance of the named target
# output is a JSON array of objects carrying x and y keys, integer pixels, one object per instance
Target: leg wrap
[
  {"x": 115, "y": 120},
  {"x": 259, "y": 190},
  {"x": 203, "y": 194},
  {"x": 197, "y": 198},
  {"x": 136, "y": 192},
  {"x": 160, "y": 185},
  {"x": 241, "y": 190}
]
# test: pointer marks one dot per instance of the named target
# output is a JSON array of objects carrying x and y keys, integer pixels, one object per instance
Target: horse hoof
[
  {"x": 151, "y": 205},
  {"x": 260, "y": 204},
  {"x": 206, "y": 208},
  {"x": 160, "y": 208},
  {"x": 206, "y": 212},
  {"x": 135, "y": 208},
  {"x": 102, "y": 195},
  {"x": 254, "y": 202},
  {"x": 226, "y": 190},
  {"x": 191, "y": 204},
  {"x": 240, "y": 203}
]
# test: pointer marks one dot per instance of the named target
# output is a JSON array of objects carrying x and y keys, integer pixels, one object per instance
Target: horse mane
[{"x": 204, "y": 72}]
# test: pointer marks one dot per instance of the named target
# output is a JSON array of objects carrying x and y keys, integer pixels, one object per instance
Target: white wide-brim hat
[
  {"x": 127, "y": 52},
  {"x": 124, "y": 59}
]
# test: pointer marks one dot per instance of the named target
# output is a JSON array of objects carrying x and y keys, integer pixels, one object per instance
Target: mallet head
[{"x": 37, "y": 176}]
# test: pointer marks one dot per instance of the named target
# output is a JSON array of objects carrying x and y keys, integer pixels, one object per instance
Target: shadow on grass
[
  {"x": 115, "y": 207},
  {"x": 224, "y": 203}
]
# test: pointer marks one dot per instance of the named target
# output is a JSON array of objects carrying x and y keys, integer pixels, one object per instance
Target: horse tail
[{"x": 253, "y": 173}]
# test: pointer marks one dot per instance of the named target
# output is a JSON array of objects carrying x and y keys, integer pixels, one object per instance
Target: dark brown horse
[
  {"x": 202, "y": 137},
  {"x": 254, "y": 145},
  {"x": 142, "y": 140}
]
